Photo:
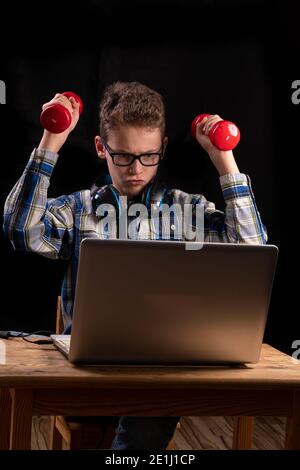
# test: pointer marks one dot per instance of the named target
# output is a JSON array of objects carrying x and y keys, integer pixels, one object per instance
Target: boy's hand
[
  {"x": 223, "y": 160},
  {"x": 52, "y": 141},
  {"x": 70, "y": 103}
]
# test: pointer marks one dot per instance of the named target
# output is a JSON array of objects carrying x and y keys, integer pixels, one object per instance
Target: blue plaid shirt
[{"x": 55, "y": 227}]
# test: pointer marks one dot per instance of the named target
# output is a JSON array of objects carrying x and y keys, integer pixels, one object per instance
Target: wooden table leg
[
  {"x": 292, "y": 435},
  {"x": 5, "y": 417},
  {"x": 56, "y": 440},
  {"x": 21, "y": 419},
  {"x": 242, "y": 432}
]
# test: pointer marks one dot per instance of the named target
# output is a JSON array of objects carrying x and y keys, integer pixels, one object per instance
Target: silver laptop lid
[{"x": 156, "y": 302}]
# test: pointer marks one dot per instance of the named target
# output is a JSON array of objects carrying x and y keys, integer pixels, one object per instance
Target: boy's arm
[
  {"x": 33, "y": 222},
  {"x": 241, "y": 222}
]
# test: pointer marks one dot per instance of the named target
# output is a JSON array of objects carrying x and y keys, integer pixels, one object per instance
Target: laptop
[{"x": 155, "y": 302}]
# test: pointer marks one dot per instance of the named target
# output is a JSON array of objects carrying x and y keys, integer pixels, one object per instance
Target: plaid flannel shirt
[{"x": 55, "y": 227}]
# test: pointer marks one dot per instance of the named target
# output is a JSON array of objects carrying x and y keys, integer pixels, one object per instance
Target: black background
[{"x": 234, "y": 58}]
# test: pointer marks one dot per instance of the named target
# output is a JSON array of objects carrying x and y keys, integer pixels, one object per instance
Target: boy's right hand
[
  {"x": 54, "y": 142},
  {"x": 70, "y": 104}
]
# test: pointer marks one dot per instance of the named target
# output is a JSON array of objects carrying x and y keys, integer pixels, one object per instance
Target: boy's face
[{"x": 131, "y": 180}]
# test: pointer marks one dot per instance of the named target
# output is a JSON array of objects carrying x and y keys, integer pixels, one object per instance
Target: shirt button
[{"x": 172, "y": 227}]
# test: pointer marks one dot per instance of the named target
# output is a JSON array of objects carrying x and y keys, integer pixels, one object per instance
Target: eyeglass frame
[{"x": 113, "y": 154}]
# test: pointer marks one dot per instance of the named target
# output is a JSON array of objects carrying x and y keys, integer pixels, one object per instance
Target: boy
[{"x": 132, "y": 140}]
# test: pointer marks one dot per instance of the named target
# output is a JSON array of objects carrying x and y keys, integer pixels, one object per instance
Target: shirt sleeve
[
  {"x": 241, "y": 221},
  {"x": 32, "y": 221}
]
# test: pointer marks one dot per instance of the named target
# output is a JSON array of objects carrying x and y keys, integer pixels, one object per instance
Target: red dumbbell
[
  {"x": 56, "y": 118},
  {"x": 224, "y": 135}
]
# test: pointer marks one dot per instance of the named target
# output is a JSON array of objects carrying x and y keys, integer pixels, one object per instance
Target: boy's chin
[{"x": 133, "y": 192}]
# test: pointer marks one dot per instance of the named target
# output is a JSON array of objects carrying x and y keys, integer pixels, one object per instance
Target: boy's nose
[{"x": 136, "y": 167}]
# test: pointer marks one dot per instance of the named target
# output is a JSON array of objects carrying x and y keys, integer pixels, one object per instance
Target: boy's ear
[{"x": 100, "y": 149}]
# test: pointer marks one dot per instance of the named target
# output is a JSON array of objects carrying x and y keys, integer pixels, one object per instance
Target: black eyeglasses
[{"x": 126, "y": 159}]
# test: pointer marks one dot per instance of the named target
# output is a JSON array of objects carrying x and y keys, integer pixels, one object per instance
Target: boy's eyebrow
[{"x": 127, "y": 151}]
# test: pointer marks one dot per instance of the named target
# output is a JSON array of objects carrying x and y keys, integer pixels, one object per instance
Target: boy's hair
[{"x": 133, "y": 104}]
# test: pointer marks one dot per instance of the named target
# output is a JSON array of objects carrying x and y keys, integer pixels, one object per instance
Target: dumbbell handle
[
  {"x": 224, "y": 135},
  {"x": 56, "y": 118}
]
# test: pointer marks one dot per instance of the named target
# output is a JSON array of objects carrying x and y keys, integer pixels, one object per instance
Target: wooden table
[{"x": 38, "y": 380}]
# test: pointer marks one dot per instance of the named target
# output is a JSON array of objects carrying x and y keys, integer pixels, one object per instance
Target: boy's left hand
[{"x": 223, "y": 160}]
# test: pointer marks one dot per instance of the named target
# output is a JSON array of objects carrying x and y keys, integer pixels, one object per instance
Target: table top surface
[{"x": 42, "y": 366}]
